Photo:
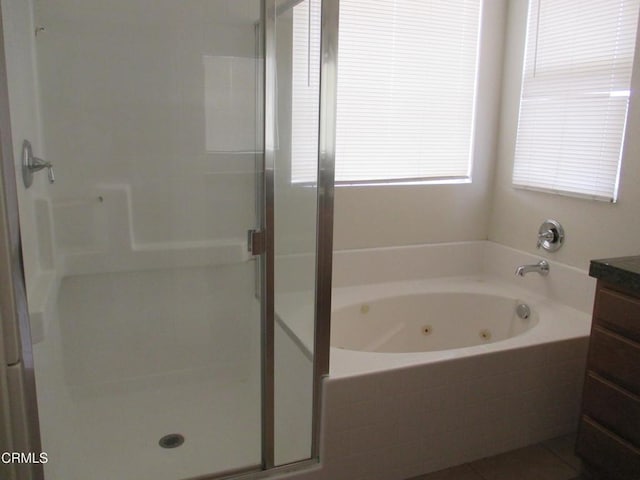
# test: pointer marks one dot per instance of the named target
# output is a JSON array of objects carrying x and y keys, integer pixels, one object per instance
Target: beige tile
[
  {"x": 529, "y": 463},
  {"x": 462, "y": 472},
  {"x": 564, "y": 447}
]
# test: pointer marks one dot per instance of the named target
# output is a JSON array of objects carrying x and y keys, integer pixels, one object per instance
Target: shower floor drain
[{"x": 172, "y": 440}]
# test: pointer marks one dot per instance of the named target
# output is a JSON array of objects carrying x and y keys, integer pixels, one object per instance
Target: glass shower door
[{"x": 144, "y": 302}]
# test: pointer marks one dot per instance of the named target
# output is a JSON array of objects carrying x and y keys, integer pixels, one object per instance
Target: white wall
[
  {"x": 594, "y": 229},
  {"x": 404, "y": 215}
]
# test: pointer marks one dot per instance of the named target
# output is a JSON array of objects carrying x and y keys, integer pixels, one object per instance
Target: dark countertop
[{"x": 622, "y": 271}]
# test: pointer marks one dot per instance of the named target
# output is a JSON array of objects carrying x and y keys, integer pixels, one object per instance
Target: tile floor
[{"x": 550, "y": 460}]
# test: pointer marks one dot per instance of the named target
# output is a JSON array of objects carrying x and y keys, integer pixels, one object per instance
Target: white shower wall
[{"x": 127, "y": 104}]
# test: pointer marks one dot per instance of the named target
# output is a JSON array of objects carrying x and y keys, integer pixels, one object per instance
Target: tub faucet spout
[{"x": 542, "y": 267}]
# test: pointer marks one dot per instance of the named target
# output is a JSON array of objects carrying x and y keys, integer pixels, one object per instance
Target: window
[
  {"x": 575, "y": 94},
  {"x": 406, "y": 91}
]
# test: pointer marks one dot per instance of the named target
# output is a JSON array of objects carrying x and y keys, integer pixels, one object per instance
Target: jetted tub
[
  {"x": 436, "y": 372},
  {"x": 429, "y": 366},
  {"x": 422, "y": 321},
  {"x": 426, "y": 322}
]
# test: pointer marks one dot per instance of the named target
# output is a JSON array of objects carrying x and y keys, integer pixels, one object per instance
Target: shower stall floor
[
  {"x": 133, "y": 356},
  {"x": 112, "y": 431}
]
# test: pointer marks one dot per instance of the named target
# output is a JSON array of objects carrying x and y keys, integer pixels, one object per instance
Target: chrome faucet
[{"x": 542, "y": 267}]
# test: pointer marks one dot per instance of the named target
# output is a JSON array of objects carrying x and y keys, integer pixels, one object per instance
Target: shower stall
[{"x": 166, "y": 288}]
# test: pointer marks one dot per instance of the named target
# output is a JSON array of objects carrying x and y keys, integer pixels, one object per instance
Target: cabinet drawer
[
  {"x": 612, "y": 407},
  {"x": 606, "y": 452},
  {"x": 615, "y": 358},
  {"x": 618, "y": 312}
]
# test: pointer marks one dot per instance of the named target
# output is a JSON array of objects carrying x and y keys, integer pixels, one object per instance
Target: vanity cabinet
[{"x": 608, "y": 439}]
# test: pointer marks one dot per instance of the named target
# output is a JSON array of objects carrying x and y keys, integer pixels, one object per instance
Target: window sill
[{"x": 407, "y": 182}]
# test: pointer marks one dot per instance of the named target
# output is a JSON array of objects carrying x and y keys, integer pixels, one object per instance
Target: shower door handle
[{"x": 256, "y": 242}]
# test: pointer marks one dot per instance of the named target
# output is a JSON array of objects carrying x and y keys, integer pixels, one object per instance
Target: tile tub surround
[
  {"x": 411, "y": 418},
  {"x": 400, "y": 423}
]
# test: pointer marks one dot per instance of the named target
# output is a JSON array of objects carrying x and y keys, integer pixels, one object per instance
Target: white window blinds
[
  {"x": 406, "y": 91},
  {"x": 575, "y": 93}
]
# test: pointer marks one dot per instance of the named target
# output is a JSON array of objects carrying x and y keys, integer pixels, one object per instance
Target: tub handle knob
[{"x": 550, "y": 235}]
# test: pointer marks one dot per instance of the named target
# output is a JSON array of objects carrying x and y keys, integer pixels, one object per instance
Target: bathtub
[
  {"x": 417, "y": 322},
  {"x": 431, "y": 321},
  {"x": 432, "y": 367}
]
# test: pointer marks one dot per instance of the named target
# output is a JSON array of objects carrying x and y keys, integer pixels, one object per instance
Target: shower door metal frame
[
  {"x": 267, "y": 259},
  {"x": 324, "y": 220},
  {"x": 326, "y": 184}
]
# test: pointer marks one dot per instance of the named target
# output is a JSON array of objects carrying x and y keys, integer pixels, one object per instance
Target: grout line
[
  {"x": 557, "y": 455},
  {"x": 474, "y": 470},
  {"x": 541, "y": 444}
]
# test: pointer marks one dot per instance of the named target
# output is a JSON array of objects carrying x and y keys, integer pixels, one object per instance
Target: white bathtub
[
  {"x": 410, "y": 408},
  {"x": 459, "y": 312},
  {"x": 425, "y": 322}
]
